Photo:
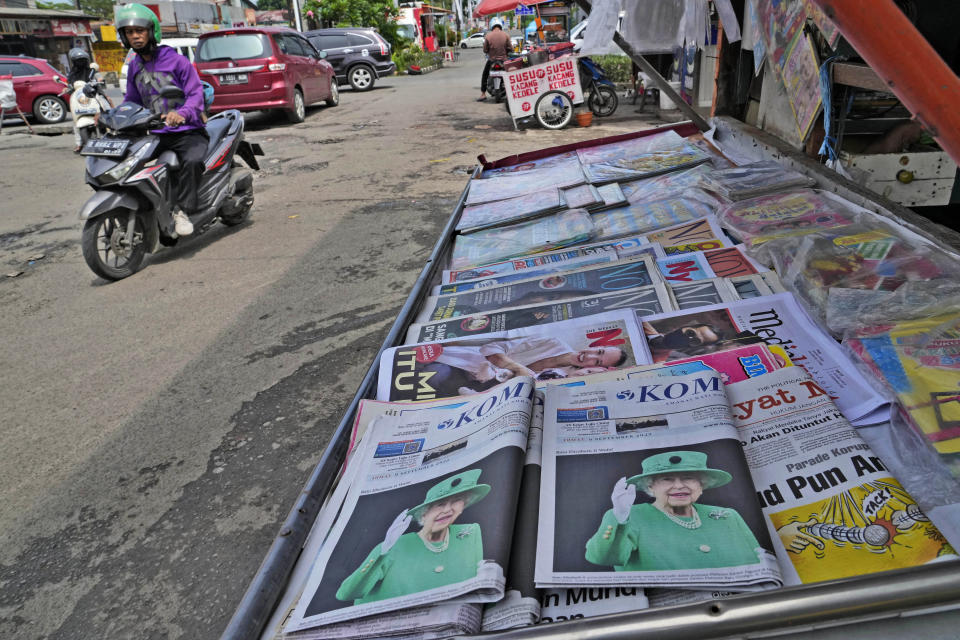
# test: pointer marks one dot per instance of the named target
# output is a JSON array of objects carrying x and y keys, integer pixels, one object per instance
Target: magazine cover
[
  {"x": 612, "y": 196},
  {"x": 632, "y": 148},
  {"x": 543, "y": 234},
  {"x": 560, "y": 159},
  {"x": 752, "y": 286},
  {"x": 533, "y": 264},
  {"x": 585, "y": 196},
  {"x": 699, "y": 293},
  {"x": 732, "y": 261},
  {"x": 668, "y": 185},
  {"x": 644, "y": 483},
  {"x": 832, "y": 507},
  {"x": 755, "y": 179},
  {"x": 502, "y": 212},
  {"x": 579, "y": 283},
  {"x": 696, "y": 235},
  {"x": 430, "y": 516},
  {"x": 775, "y": 320},
  {"x": 508, "y": 185},
  {"x": 686, "y": 267},
  {"x": 642, "y": 301},
  {"x": 791, "y": 213},
  {"x": 634, "y": 167},
  {"x": 569, "y": 348},
  {"x": 648, "y": 216}
]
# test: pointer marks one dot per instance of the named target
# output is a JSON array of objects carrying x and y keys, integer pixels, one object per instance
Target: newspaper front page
[
  {"x": 455, "y": 475},
  {"x": 832, "y": 508},
  {"x": 776, "y": 320},
  {"x": 624, "y": 467},
  {"x": 570, "y": 348}
]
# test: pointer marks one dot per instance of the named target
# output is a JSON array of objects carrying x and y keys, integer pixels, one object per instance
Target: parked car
[
  {"x": 261, "y": 68},
  {"x": 184, "y": 46},
  {"x": 37, "y": 86},
  {"x": 359, "y": 55},
  {"x": 471, "y": 41}
]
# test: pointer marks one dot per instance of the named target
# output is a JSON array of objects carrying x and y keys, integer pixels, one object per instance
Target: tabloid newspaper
[
  {"x": 456, "y": 475},
  {"x": 642, "y": 301},
  {"x": 752, "y": 286},
  {"x": 569, "y": 348},
  {"x": 776, "y": 320},
  {"x": 607, "y": 447},
  {"x": 578, "y": 283},
  {"x": 533, "y": 265},
  {"x": 832, "y": 508},
  {"x": 699, "y": 293}
]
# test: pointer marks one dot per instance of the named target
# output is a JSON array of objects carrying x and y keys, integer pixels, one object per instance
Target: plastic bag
[
  {"x": 791, "y": 213},
  {"x": 753, "y": 180}
]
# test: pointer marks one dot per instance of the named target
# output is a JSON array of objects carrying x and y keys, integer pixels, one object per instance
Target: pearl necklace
[
  {"x": 442, "y": 546},
  {"x": 686, "y": 524}
]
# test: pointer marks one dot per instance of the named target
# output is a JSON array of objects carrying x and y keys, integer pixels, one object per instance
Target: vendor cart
[{"x": 546, "y": 92}]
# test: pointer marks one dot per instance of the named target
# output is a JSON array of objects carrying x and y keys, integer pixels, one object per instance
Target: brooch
[
  {"x": 719, "y": 515},
  {"x": 463, "y": 534}
]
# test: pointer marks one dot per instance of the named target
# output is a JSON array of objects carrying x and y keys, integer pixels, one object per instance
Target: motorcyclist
[
  {"x": 496, "y": 44},
  {"x": 79, "y": 66},
  {"x": 154, "y": 67}
]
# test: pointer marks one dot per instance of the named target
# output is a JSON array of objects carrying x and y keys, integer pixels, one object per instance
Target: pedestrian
[{"x": 496, "y": 44}]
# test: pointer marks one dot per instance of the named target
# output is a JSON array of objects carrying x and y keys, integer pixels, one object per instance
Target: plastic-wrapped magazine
[
  {"x": 699, "y": 293},
  {"x": 668, "y": 185},
  {"x": 791, "y": 213},
  {"x": 585, "y": 196},
  {"x": 569, "y": 348},
  {"x": 832, "y": 508},
  {"x": 543, "y": 234},
  {"x": 501, "y": 212},
  {"x": 625, "y": 465},
  {"x": 651, "y": 216},
  {"x": 587, "y": 281},
  {"x": 751, "y": 180},
  {"x": 516, "y": 184},
  {"x": 612, "y": 196},
  {"x": 776, "y": 320},
  {"x": 642, "y": 301},
  {"x": 540, "y": 262},
  {"x": 457, "y": 475},
  {"x": 541, "y": 163},
  {"x": 919, "y": 360},
  {"x": 645, "y": 165},
  {"x": 634, "y": 147}
]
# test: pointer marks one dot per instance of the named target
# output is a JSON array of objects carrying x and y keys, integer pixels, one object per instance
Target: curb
[{"x": 422, "y": 70}]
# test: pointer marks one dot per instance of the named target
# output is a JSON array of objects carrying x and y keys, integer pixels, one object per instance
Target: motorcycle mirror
[
  {"x": 171, "y": 92},
  {"x": 95, "y": 66},
  {"x": 89, "y": 90}
]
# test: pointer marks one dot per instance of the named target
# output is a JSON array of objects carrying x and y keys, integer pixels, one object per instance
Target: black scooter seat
[{"x": 217, "y": 130}]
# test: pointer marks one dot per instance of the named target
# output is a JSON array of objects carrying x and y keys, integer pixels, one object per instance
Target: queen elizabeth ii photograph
[
  {"x": 674, "y": 531},
  {"x": 439, "y": 552}
]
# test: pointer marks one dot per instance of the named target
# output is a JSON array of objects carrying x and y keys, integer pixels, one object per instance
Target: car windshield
[{"x": 237, "y": 46}]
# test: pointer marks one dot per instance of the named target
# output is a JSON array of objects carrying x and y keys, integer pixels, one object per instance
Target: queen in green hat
[
  {"x": 439, "y": 554},
  {"x": 674, "y": 531}
]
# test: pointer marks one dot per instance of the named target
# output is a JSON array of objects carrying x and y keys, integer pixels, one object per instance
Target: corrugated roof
[{"x": 63, "y": 14}]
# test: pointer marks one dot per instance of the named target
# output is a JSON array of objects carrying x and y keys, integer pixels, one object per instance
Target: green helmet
[{"x": 137, "y": 15}]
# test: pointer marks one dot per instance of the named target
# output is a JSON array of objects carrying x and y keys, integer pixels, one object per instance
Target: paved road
[{"x": 155, "y": 431}]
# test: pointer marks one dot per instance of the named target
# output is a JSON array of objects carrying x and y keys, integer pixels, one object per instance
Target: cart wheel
[{"x": 554, "y": 110}]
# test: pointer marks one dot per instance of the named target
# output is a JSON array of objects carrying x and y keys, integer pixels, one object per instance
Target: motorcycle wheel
[
  {"x": 104, "y": 245},
  {"x": 603, "y": 101},
  {"x": 242, "y": 215},
  {"x": 554, "y": 110}
]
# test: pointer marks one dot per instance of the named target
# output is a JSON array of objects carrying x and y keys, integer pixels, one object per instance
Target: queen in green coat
[
  {"x": 439, "y": 554},
  {"x": 673, "y": 532}
]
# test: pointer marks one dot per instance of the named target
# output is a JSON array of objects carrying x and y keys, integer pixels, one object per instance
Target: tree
[
  {"x": 100, "y": 8},
  {"x": 379, "y": 14},
  {"x": 272, "y": 5}
]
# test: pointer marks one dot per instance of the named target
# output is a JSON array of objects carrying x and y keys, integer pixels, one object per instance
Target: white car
[
  {"x": 471, "y": 42},
  {"x": 184, "y": 46}
]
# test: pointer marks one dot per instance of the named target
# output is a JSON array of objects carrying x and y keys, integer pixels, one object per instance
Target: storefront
[{"x": 44, "y": 33}]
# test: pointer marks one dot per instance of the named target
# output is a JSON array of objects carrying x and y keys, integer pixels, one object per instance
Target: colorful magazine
[
  {"x": 501, "y": 212},
  {"x": 792, "y": 213},
  {"x": 640, "y": 218}
]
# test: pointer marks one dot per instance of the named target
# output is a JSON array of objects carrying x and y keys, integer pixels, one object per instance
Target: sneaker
[{"x": 182, "y": 224}]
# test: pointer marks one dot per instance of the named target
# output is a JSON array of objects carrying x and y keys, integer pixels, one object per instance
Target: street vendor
[
  {"x": 497, "y": 45},
  {"x": 673, "y": 532},
  {"x": 439, "y": 554}
]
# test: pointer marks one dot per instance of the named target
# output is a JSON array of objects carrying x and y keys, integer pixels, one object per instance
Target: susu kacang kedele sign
[{"x": 525, "y": 86}]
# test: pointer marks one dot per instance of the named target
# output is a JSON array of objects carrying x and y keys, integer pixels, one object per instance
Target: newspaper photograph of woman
[
  {"x": 441, "y": 552},
  {"x": 674, "y": 531}
]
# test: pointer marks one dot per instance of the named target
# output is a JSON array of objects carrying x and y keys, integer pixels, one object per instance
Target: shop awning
[
  {"x": 487, "y": 7},
  {"x": 15, "y": 13}
]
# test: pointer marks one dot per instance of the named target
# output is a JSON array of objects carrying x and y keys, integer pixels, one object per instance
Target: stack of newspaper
[{"x": 643, "y": 418}]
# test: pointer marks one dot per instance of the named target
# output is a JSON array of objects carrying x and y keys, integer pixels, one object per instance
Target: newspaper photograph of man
[
  {"x": 694, "y": 334},
  {"x": 674, "y": 531}
]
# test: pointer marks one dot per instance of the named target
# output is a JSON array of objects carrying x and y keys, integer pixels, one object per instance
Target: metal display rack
[{"x": 934, "y": 587}]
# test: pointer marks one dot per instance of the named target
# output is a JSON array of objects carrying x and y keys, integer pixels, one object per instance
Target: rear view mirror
[
  {"x": 171, "y": 92},
  {"x": 95, "y": 66}
]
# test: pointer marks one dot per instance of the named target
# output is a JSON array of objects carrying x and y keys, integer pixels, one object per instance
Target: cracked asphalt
[{"x": 155, "y": 432}]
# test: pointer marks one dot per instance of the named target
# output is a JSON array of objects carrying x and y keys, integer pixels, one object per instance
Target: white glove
[
  {"x": 622, "y": 498},
  {"x": 400, "y": 524}
]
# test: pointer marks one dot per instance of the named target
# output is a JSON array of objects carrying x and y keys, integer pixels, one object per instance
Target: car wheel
[
  {"x": 361, "y": 78},
  {"x": 49, "y": 109},
  {"x": 334, "y": 98},
  {"x": 299, "y": 110},
  {"x": 463, "y": 45}
]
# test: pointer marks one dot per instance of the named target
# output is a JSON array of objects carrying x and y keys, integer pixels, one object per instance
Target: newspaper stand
[{"x": 547, "y": 92}]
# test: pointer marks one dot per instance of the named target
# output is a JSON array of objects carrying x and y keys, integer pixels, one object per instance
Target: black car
[{"x": 358, "y": 55}]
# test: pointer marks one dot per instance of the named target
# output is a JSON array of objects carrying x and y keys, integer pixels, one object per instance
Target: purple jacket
[{"x": 146, "y": 78}]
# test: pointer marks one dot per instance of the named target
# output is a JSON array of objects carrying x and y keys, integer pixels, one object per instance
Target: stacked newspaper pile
[{"x": 603, "y": 411}]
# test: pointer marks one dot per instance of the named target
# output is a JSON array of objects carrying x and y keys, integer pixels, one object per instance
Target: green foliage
[
  {"x": 415, "y": 56},
  {"x": 100, "y": 8},
  {"x": 61, "y": 5},
  {"x": 353, "y": 13},
  {"x": 272, "y": 5},
  {"x": 616, "y": 67}
]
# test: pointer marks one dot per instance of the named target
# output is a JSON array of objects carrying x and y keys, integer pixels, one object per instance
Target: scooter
[
  {"x": 495, "y": 85},
  {"x": 131, "y": 213},
  {"x": 88, "y": 98},
  {"x": 603, "y": 100}
]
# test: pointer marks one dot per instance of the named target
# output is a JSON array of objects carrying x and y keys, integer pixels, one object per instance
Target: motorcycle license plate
[
  {"x": 233, "y": 78},
  {"x": 85, "y": 111},
  {"x": 108, "y": 147}
]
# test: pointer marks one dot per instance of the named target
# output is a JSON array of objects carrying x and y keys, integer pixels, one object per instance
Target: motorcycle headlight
[{"x": 120, "y": 171}]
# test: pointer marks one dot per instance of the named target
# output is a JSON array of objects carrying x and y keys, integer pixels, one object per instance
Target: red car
[
  {"x": 258, "y": 68},
  {"x": 35, "y": 82}
]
